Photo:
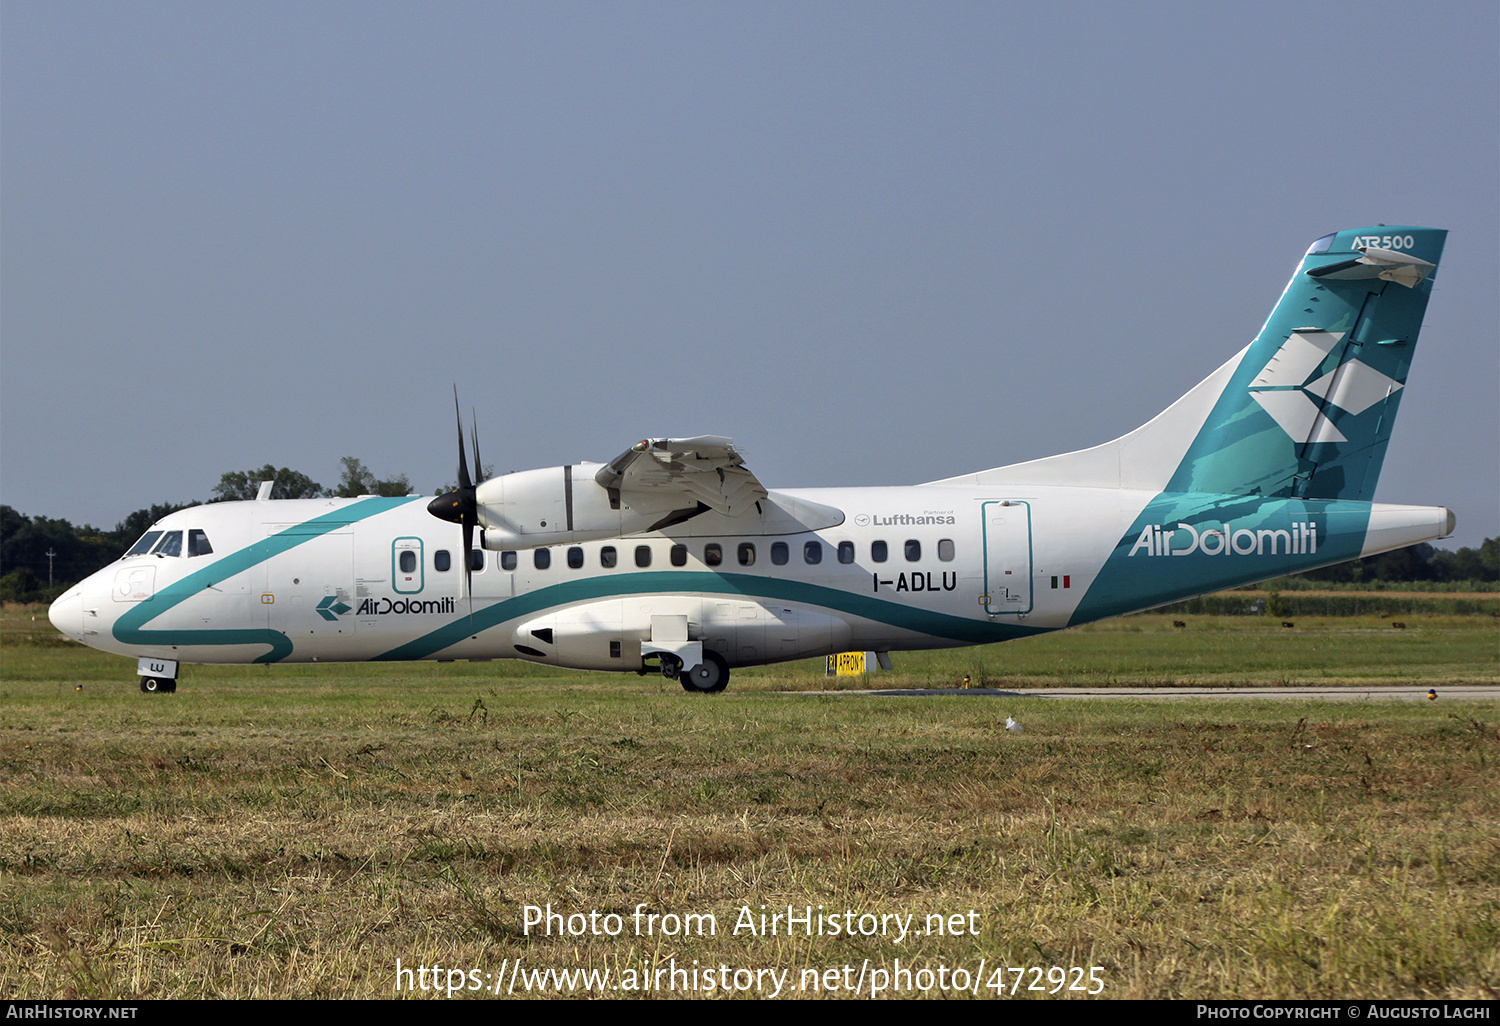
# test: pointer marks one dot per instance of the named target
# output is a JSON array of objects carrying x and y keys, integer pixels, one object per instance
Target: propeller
[{"x": 461, "y": 505}]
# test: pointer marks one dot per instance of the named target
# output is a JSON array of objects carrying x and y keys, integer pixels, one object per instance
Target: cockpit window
[
  {"x": 170, "y": 545},
  {"x": 143, "y": 546},
  {"x": 1323, "y": 245},
  {"x": 198, "y": 543}
]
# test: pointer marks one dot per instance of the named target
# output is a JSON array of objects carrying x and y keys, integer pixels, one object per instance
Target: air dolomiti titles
[
  {"x": 1159, "y": 540},
  {"x": 383, "y": 606}
]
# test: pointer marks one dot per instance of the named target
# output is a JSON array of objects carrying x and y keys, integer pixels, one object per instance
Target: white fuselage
[
  {"x": 900, "y": 568},
  {"x": 905, "y": 568}
]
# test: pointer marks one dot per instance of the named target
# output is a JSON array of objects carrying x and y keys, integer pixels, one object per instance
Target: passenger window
[
  {"x": 575, "y": 558},
  {"x": 846, "y": 552},
  {"x": 713, "y": 554},
  {"x": 913, "y": 550},
  {"x": 878, "y": 551},
  {"x": 198, "y": 543},
  {"x": 679, "y": 555},
  {"x": 779, "y": 553},
  {"x": 608, "y": 557},
  {"x": 143, "y": 546},
  {"x": 945, "y": 550},
  {"x": 170, "y": 544},
  {"x": 541, "y": 558},
  {"x": 812, "y": 552},
  {"x": 746, "y": 554},
  {"x": 643, "y": 555},
  {"x": 442, "y": 561},
  {"x": 507, "y": 560},
  {"x": 408, "y": 561},
  {"x": 476, "y": 560}
]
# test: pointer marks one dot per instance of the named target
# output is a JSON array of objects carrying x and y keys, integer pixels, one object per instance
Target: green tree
[
  {"x": 1418, "y": 563},
  {"x": 238, "y": 486},
  {"x": 20, "y": 586},
  {"x": 1469, "y": 564},
  {"x": 44, "y": 547},
  {"x": 1409, "y": 564},
  {"x": 358, "y": 480}
]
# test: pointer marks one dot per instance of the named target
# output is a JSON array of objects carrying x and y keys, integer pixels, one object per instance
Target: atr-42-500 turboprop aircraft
[{"x": 673, "y": 557}]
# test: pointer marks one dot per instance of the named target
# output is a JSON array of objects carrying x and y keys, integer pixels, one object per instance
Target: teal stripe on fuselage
[
  {"x": 749, "y": 587},
  {"x": 129, "y": 627}
]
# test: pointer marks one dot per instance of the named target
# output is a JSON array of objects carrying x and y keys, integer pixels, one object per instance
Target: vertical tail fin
[
  {"x": 1309, "y": 409},
  {"x": 1304, "y": 411}
]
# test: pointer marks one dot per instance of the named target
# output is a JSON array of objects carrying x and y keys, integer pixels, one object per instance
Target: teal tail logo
[
  {"x": 1308, "y": 411},
  {"x": 1300, "y": 403}
]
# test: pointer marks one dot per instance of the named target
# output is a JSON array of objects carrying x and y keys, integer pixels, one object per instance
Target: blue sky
[{"x": 874, "y": 243}]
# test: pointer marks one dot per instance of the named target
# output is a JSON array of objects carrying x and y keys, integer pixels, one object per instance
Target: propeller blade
[
  {"x": 461, "y": 505},
  {"x": 469, "y": 565},
  {"x": 478, "y": 464},
  {"x": 463, "y": 468}
]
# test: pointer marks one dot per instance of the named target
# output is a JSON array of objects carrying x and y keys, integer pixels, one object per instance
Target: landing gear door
[{"x": 1007, "y": 556}]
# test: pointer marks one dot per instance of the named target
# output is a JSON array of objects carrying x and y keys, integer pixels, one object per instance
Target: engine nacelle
[
  {"x": 555, "y": 506},
  {"x": 562, "y": 505}
]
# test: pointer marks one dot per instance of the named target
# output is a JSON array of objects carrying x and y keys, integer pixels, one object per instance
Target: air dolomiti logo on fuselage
[
  {"x": 1226, "y": 540},
  {"x": 388, "y": 606}
]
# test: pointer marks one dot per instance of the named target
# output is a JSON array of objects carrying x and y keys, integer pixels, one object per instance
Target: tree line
[{"x": 1418, "y": 563}]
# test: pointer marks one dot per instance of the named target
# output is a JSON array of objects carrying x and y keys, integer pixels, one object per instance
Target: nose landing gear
[{"x": 158, "y": 676}]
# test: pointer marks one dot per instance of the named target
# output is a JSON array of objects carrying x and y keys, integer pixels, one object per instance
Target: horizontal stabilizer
[{"x": 1385, "y": 264}]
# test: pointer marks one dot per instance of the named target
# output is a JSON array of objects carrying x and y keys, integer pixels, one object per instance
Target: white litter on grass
[{"x": 1011, "y": 724}]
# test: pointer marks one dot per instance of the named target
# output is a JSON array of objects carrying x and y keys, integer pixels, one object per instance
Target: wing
[{"x": 707, "y": 469}]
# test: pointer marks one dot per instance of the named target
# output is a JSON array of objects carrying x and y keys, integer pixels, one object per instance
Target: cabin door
[{"x": 1007, "y": 556}]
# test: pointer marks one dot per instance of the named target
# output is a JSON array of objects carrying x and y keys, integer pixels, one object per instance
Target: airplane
[{"x": 673, "y": 558}]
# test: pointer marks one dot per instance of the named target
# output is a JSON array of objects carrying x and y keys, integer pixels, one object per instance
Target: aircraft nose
[{"x": 66, "y": 613}]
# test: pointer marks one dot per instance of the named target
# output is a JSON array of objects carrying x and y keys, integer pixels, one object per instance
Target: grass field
[{"x": 296, "y": 831}]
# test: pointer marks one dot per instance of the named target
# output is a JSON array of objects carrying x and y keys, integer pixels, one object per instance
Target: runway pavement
[{"x": 1396, "y": 693}]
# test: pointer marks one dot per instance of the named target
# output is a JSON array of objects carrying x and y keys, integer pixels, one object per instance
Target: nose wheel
[{"x": 158, "y": 685}]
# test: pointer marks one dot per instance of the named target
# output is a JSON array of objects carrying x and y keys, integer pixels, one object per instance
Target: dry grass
[{"x": 296, "y": 832}]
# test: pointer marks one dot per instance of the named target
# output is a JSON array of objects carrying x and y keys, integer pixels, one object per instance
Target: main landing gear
[
  {"x": 158, "y": 685},
  {"x": 709, "y": 677}
]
